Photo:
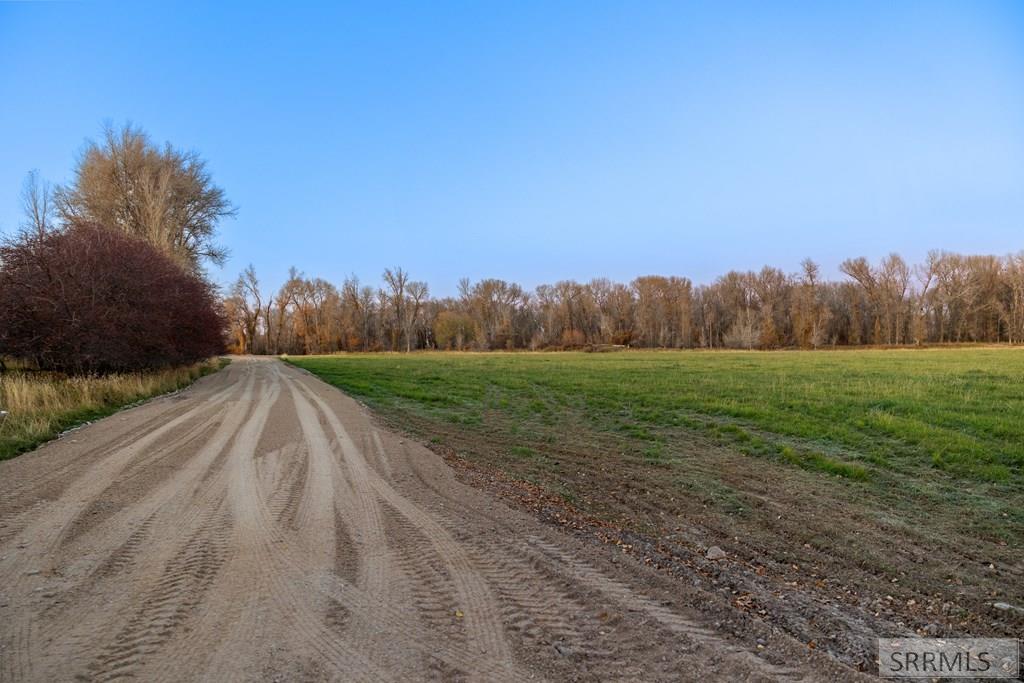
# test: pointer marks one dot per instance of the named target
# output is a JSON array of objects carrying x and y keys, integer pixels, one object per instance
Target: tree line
[
  {"x": 107, "y": 274},
  {"x": 949, "y": 298}
]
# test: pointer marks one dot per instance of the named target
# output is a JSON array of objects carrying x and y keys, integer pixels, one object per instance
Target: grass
[
  {"x": 42, "y": 405},
  {"x": 939, "y": 423},
  {"x": 892, "y": 480},
  {"x": 957, "y": 410}
]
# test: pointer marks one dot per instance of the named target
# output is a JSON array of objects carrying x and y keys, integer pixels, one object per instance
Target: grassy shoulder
[
  {"x": 42, "y": 405},
  {"x": 865, "y": 467}
]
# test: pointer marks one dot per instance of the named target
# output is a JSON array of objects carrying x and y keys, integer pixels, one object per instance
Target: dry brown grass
[{"x": 41, "y": 405}]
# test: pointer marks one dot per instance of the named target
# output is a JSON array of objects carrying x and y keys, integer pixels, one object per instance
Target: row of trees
[
  {"x": 105, "y": 274},
  {"x": 948, "y": 298}
]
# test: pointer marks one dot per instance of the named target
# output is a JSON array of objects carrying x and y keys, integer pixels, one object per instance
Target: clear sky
[{"x": 549, "y": 140}]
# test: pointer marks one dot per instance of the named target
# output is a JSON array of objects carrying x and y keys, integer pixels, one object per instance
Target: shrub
[{"x": 85, "y": 299}]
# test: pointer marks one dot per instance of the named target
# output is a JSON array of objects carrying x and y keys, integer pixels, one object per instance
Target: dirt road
[{"x": 261, "y": 526}]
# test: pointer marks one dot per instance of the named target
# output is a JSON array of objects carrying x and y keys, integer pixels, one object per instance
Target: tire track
[
  {"x": 259, "y": 531},
  {"x": 675, "y": 623},
  {"x": 51, "y": 485},
  {"x": 380, "y": 456},
  {"x": 139, "y": 479},
  {"x": 536, "y": 609},
  {"x": 429, "y": 587},
  {"x": 233, "y": 618},
  {"x": 290, "y": 488},
  {"x": 37, "y": 542},
  {"x": 482, "y": 625},
  {"x": 346, "y": 557},
  {"x": 91, "y": 484},
  {"x": 368, "y": 608},
  {"x": 69, "y": 468},
  {"x": 361, "y": 520},
  {"x": 168, "y": 606},
  {"x": 287, "y": 573},
  {"x": 265, "y": 528},
  {"x": 546, "y": 570},
  {"x": 174, "y": 511}
]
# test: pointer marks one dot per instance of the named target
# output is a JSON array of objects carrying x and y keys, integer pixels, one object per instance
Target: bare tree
[
  {"x": 396, "y": 281},
  {"x": 418, "y": 294},
  {"x": 808, "y": 315},
  {"x": 246, "y": 305},
  {"x": 165, "y": 196},
  {"x": 37, "y": 204},
  {"x": 1013, "y": 308}
]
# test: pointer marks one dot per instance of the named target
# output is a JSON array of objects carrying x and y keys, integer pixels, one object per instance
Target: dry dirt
[{"x": 262, "y": 526}]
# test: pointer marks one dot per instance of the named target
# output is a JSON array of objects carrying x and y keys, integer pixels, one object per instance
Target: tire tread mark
[
  {"x": 428, "y": 583},
  {"x": 673, "y": 622},
  {"x": 168, "y": 605},
  {"x": 480, "y": 606}
]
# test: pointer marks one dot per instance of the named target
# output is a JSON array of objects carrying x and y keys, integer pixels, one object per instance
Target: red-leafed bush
[{"x": 87, "y": 299}]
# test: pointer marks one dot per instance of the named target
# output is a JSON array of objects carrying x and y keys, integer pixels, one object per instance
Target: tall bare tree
[
  {"x": 37, "y": 204},
  {"x": 394, "y": 297},
  {"x": 417, "y": 299},
  {"x": 245, "y": 303},
  {"x": 166, "y": 196}
]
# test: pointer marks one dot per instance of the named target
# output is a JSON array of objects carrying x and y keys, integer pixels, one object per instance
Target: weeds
[{"x": 41, "y": 405}]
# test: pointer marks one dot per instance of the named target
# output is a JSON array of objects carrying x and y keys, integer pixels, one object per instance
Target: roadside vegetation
[
  {"x": 41, "y": 405},
  {"x": 103, "y": 298},
  {"x": 858, "y": 466},
  {"x": 85, "y": 299}
]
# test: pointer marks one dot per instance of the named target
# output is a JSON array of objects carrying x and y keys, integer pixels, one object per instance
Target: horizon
[{"x": 537, "y": 144}]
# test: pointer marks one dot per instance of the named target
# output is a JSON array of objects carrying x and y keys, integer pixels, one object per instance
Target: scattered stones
[
  {"x": 563, "y": 650},
  {"x": 715, "y": 553},
  {"x": 1007, "y": 607}
]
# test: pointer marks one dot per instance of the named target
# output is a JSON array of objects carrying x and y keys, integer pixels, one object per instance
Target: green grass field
[
  {"x": 880, "y": 472},
  {"x": 929, "y": 422},
  {"x": 849, "y": 413}
]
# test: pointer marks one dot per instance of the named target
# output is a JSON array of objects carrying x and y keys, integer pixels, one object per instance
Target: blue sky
[{"x": 550, "y": 140}]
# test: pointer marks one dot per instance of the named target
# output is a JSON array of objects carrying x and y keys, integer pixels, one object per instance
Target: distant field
[{"x": 827, "y": 457}]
